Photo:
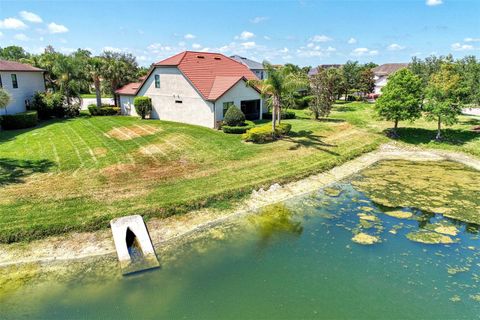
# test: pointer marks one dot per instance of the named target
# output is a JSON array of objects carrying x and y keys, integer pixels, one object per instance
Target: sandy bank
[{"x": 163, "y": 231}]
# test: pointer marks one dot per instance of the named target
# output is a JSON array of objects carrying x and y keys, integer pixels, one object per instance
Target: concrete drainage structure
[{"x": 133, "y": 244}]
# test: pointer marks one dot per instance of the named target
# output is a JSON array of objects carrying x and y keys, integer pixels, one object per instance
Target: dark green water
[{"x": 305, "y": 266}]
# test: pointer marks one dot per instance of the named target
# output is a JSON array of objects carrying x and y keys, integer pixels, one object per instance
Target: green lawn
[{"x": 78, "y": 174}]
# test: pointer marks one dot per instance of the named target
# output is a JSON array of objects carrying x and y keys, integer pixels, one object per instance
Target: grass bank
[{"x": 75, "y": 175}]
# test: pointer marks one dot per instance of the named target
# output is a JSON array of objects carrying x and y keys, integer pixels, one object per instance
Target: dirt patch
[
  {"x": 132, "y": 132},
  {"x": 100, "y": 152}
]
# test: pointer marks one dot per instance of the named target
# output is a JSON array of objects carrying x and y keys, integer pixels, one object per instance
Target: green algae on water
[
  {"x": 332, "y": 192},
  {"x": 445, "y": 187},
  {"x": 429, "y": 237}
]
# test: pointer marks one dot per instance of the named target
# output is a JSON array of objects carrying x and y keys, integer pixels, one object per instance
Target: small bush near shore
[
  {"x": 238, "y": 129},
  {"x": 19, "y": 120},
  {"x": 104, "y": 110},
  {"x": 285, "y": 115},
  {"x": 143, "y": 106}
]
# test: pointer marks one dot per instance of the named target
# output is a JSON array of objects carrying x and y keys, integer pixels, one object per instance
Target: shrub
[
  {"x": 72, "y": 110},
  {"x": 283, "y": 129},
  {"x": 238, "y": 129},
  {"x": 264, "y": 133},
  {"x": 19, "y": 120},
  {"x": 48, "y": 104},
  {"x": 104, "y": 110},
  {"x": 260, "y": 134},
  {"x": 143, "y": 106},
  {"x": 234, "y": 117},
  {"x": 284, "y": 114}
]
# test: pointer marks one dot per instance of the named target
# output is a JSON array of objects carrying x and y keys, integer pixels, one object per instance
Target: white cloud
[
  {"x": 112, "y": 49},
  {"x": 258, "y": 19},
  {"x": 12, "y": 23},
  {"x": 471, "y": 39},
  {"x": 284, "y": 50},
  {"x": 56, "y": 28},
  {"x": 321, "y": 38},
  {"x": 182, "y": 43},
  {"x": 359, "y": 52},
  {"x": 433, "y": 2},
  {"x": 395, "y": 47},
  {"x": 248, "y": 45},
  {"x": 245, "y": 35},
  {"x": 461, "y": 47},
  {"x": 267, "y": 38},
  {"x": 331, "y": 49},
  {"x": 1, "y": 34},
  {"x": 66, "y": 50},
  {"x": 30, "y": 17},
  {"x": 196, "y": 46},
  {"x": 189, "y": 36},
  {"x": 352, "y": 41},
  {"x": 21, "y": 37}
]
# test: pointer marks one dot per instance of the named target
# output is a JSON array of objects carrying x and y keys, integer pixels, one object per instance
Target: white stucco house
[
  {"x": 381, "y": 74},
  {"x": 21, "y": 81},
  {"x": 195, "y": 88}
]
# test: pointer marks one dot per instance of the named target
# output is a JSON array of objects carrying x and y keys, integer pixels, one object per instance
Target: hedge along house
[
  {"x": 21, "y": 81},
  {"x": 195, "y": 88}
]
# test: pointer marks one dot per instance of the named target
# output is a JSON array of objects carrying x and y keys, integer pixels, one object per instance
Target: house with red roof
[
  {"x": 195, "y": 88},
  {"x": 21, "y": 81}
]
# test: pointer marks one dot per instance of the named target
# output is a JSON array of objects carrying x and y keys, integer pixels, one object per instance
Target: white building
[
  {"x": 21, "y": 81},
  {"x": 195, "y": 88},
  {"x": 381, "y": 74}
]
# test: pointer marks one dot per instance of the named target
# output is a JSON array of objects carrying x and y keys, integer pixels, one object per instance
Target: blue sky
[{"x": 302, "y": 32}]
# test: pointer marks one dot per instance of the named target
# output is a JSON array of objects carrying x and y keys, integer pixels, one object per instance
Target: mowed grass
[
  {"x": 459, "y": 137},
  {"x": 78, "y": 174}
]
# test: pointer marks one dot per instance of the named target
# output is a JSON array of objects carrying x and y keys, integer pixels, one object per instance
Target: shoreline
[{"x": 164, "y": 232}]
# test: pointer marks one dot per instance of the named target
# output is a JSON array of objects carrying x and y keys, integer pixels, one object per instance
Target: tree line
[
  {"x": 81, "y": 71},
  {"x": 436, "y": 88}
]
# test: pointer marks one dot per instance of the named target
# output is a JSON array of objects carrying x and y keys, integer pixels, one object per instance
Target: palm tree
[
  {"x": 95, "y": 69},
  {"x": 5, "y": 99},
  {"x": 281, "y": 80},
  {"x": 69, "y": 77}
]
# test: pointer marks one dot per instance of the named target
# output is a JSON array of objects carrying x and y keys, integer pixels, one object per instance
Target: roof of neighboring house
[
  {"x": 388, "y": 68},
  {"x": 6, "y": 65},
  {"x": 212, "y": 74},
  {"x": 314, "y": 71},
  {"x": 130, "y": 89},
  {"x": 251, "y": 64}
]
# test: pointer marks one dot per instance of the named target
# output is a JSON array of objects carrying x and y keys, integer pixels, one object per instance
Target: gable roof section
[
  {"x": 388, "y": 68},
  {"x": 6, "y": 65},
  {"x": 129, "y": 89},
  {"x": 251, "y": 64},
  {"x": 212, "y": 74}
]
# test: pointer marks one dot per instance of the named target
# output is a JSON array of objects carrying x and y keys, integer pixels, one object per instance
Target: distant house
[
  {"x": 314, "y": 71},
  {"x": 195, "y": 88},
  {"x": 381, "y": 74},
  {"x": 256, "y": 67},
  {"x": 21, "y": 81}
]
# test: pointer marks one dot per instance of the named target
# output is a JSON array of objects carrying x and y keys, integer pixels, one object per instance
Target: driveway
[
  {"x": 472, "y": 111},
  {"x": 88, "y": 101}
]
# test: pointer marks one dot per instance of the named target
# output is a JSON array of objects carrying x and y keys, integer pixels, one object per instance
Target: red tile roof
[
  {"x": 129, "y": 89},
  {"x": 212, "y": 74},
  {"x": 6, "y": 65}
]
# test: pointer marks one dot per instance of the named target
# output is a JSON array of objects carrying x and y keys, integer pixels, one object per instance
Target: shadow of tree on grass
[
  {"x": 306, "y": 138},
  {"x": 450, "y": 136},
  {"x": 14, "y": 170}
]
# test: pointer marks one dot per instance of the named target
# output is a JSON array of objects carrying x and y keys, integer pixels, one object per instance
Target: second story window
[
  {"x": 14, "y": 81},
  {"x": 157, "y": 81}
]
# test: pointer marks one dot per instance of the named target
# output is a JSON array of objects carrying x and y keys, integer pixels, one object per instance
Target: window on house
[
  {"x": 157, "y": 81},
  {"x": 14, "y": 81},
  {"x": 226, "y": 105}
]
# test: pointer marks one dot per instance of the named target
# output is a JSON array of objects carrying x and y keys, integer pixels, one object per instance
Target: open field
[{"x": 78, "y": 174}]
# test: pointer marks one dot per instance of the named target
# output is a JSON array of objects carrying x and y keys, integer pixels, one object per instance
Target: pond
[{"x": 363, "y": 248}]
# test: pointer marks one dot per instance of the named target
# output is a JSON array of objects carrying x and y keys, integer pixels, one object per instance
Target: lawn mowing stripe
[
  {"x": 74, "y": 147},
  {"x": 155, "y": 159},
  {"x": 115, "y": 142},
  {"x": 90, "y": 151}
]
